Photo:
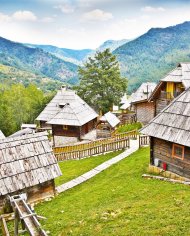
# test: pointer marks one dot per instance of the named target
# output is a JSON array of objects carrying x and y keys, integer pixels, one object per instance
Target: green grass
[
  {"x": 129, "y": 127},
  {"x": 119, "y": 201},
  {"x": 74, "y": 168}
]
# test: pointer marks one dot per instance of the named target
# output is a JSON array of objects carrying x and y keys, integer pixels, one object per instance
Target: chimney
[{"x": 63, "y": 87}]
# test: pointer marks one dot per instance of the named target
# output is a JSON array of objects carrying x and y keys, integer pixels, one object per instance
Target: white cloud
[
  {"x": 153, "y": 9},
  {"x": 4, "y": 18},
  {"x": 24, "y": 16},
  {"x": 66, "y": 7},
  {"x": 97, "y": 15},
  {"x": 47, "y": 19}
]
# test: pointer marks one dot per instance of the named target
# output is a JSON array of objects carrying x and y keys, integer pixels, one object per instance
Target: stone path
[{"x": 134, "y": 146}]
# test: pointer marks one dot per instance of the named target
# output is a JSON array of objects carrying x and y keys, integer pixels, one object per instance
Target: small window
[
  {"x": 65, "y": 127},
  {"x": 178, "y": 151}
]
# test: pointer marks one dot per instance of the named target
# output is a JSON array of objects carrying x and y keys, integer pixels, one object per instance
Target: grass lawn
[
  {"x": 119, "y": 201},
  {"x": 129, "y": 127},
  {"x": 74, "y": 168}
]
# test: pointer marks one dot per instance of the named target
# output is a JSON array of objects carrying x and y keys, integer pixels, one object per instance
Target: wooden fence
[
  {"x": 103, "y": 147},
  {"x": 144, "y": 140},
  {"x": 78, "y": 151}
]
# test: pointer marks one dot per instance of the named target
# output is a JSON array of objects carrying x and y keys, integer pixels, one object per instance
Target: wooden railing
[
  {"x": 101, "y": 148},
  {"x": 144, "y": 140},
  {"x": 118, "y": 141}
]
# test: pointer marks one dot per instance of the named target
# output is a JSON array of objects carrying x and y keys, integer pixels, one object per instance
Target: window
[
  {"x": 65, "y": 127},
  {"x": 178, "y": 151}
]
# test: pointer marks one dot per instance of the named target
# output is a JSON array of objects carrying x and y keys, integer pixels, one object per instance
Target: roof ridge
[{"x": 23, "y": 137}]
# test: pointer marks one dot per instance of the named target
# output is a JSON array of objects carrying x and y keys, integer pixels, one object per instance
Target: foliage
[
  {"x": 152, "y": 55},
  {"x": 19, "y": 104},
  {"x": 10, "y": 75},
  {"x": 129, "y": 127},
  {"x": 118, "y": 201},
  {"x": 72, "y": 169},
  {"x": 101, "y": 84}
]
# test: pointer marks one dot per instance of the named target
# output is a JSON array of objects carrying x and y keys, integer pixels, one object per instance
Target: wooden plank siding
[
  {"x": 162, "y": 150},
  {"x": 34, "y": 194},
  {"x": 145, "y": 111},
  {"x": 73, "y": 131}
]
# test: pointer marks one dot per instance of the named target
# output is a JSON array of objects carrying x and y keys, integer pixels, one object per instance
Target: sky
[{"x": 80, "y": 24}]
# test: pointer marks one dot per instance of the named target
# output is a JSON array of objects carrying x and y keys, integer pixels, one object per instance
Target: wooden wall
[
  {"x": 43, "y": 124},
  {"x": 73, "y": 131},
  {"x": 145, "y": 111},
  {"x": 35, "y": 194},
  {"x": 163, "y": 151}
]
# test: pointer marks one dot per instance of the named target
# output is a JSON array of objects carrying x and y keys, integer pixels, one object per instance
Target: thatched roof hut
[
  {"x": 170, "y": 135},
  {"x": 28, "y": 165}
]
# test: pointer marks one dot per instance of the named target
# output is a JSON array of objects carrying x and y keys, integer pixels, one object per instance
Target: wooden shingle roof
[
  {"x": 173, "y": 123},
  {"x": 181, "y": 74},
  {"x": 74, "y": 114},
  {"x": 110, "y": 118},
  {"x": 2, "y": 136},
  {"x": 67, "y": 108},
  {"x": 143, "y": 92},
  {"x": 26, "y": 161}
]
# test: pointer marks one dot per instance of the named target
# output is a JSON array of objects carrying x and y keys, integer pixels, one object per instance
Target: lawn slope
[{"x": 119, "y": 201}]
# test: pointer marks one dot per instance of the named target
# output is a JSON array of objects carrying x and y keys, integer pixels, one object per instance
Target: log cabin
[
  {"x": 68, "y": 115},
  {"x": 106, "y": 125},
  {"x": 169, "y": 135},
  {"x": 169, "y": 87},
  {"x": 140, "y": 103},
  {"x": 28, "y": 166}
]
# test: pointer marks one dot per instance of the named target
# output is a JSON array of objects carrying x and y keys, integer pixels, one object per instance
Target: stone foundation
[{"x": 167, "y": 174}]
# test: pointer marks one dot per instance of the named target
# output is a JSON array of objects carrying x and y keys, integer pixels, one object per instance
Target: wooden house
[
  {"x": 169, "y": 135},
  {"x": 173, "y": 84},
  {"x": 140, "y": 103},
  {"x": 106, "y": 125},
  {"x": 68, "y": 115},
  {"x": 28, "y": 166},
  {"x": 2, "y": 136}
]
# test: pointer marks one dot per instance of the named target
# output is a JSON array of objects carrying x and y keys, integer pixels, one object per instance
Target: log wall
[
  {"x": 163, "y": 151},
  {"x": 35, "y": 194},
  {"x": 145, "y": 111}
]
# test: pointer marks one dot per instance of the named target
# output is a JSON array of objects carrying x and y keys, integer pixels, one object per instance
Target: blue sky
[{"x": 86, "y": 23}]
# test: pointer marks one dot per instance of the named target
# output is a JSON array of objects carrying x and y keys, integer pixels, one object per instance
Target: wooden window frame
[
  {"x": 65, "y": 127},
  {"x": 179, "y": 146}
]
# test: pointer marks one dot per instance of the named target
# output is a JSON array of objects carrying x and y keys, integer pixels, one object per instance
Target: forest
[{"x": 20, "y": 104}]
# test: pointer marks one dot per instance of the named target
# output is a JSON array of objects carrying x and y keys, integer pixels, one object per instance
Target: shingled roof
[
  {"x": 75, "y": 114},
  {"x": 143, "y": 92},
  {"x": 173, "y": 123},
  {"x": 67, "y": 108},
  {"x": 110, "y": 118},
  {"x": 2, "y": 136},
  {"x": 181, "y": 74},
  {"x": 26, "y": 161}
]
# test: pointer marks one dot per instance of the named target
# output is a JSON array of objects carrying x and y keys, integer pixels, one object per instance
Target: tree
[{"x": 101, "y": 84}]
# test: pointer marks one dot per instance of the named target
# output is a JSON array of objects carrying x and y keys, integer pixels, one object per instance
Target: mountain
[
  {"x": 152, "y": 55},
  {"x": 70, "y": 55},
  {"x": 11, "y": 75},
  {"x": 36, "y": 61},
  {"x": 112, "y": 44}
]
